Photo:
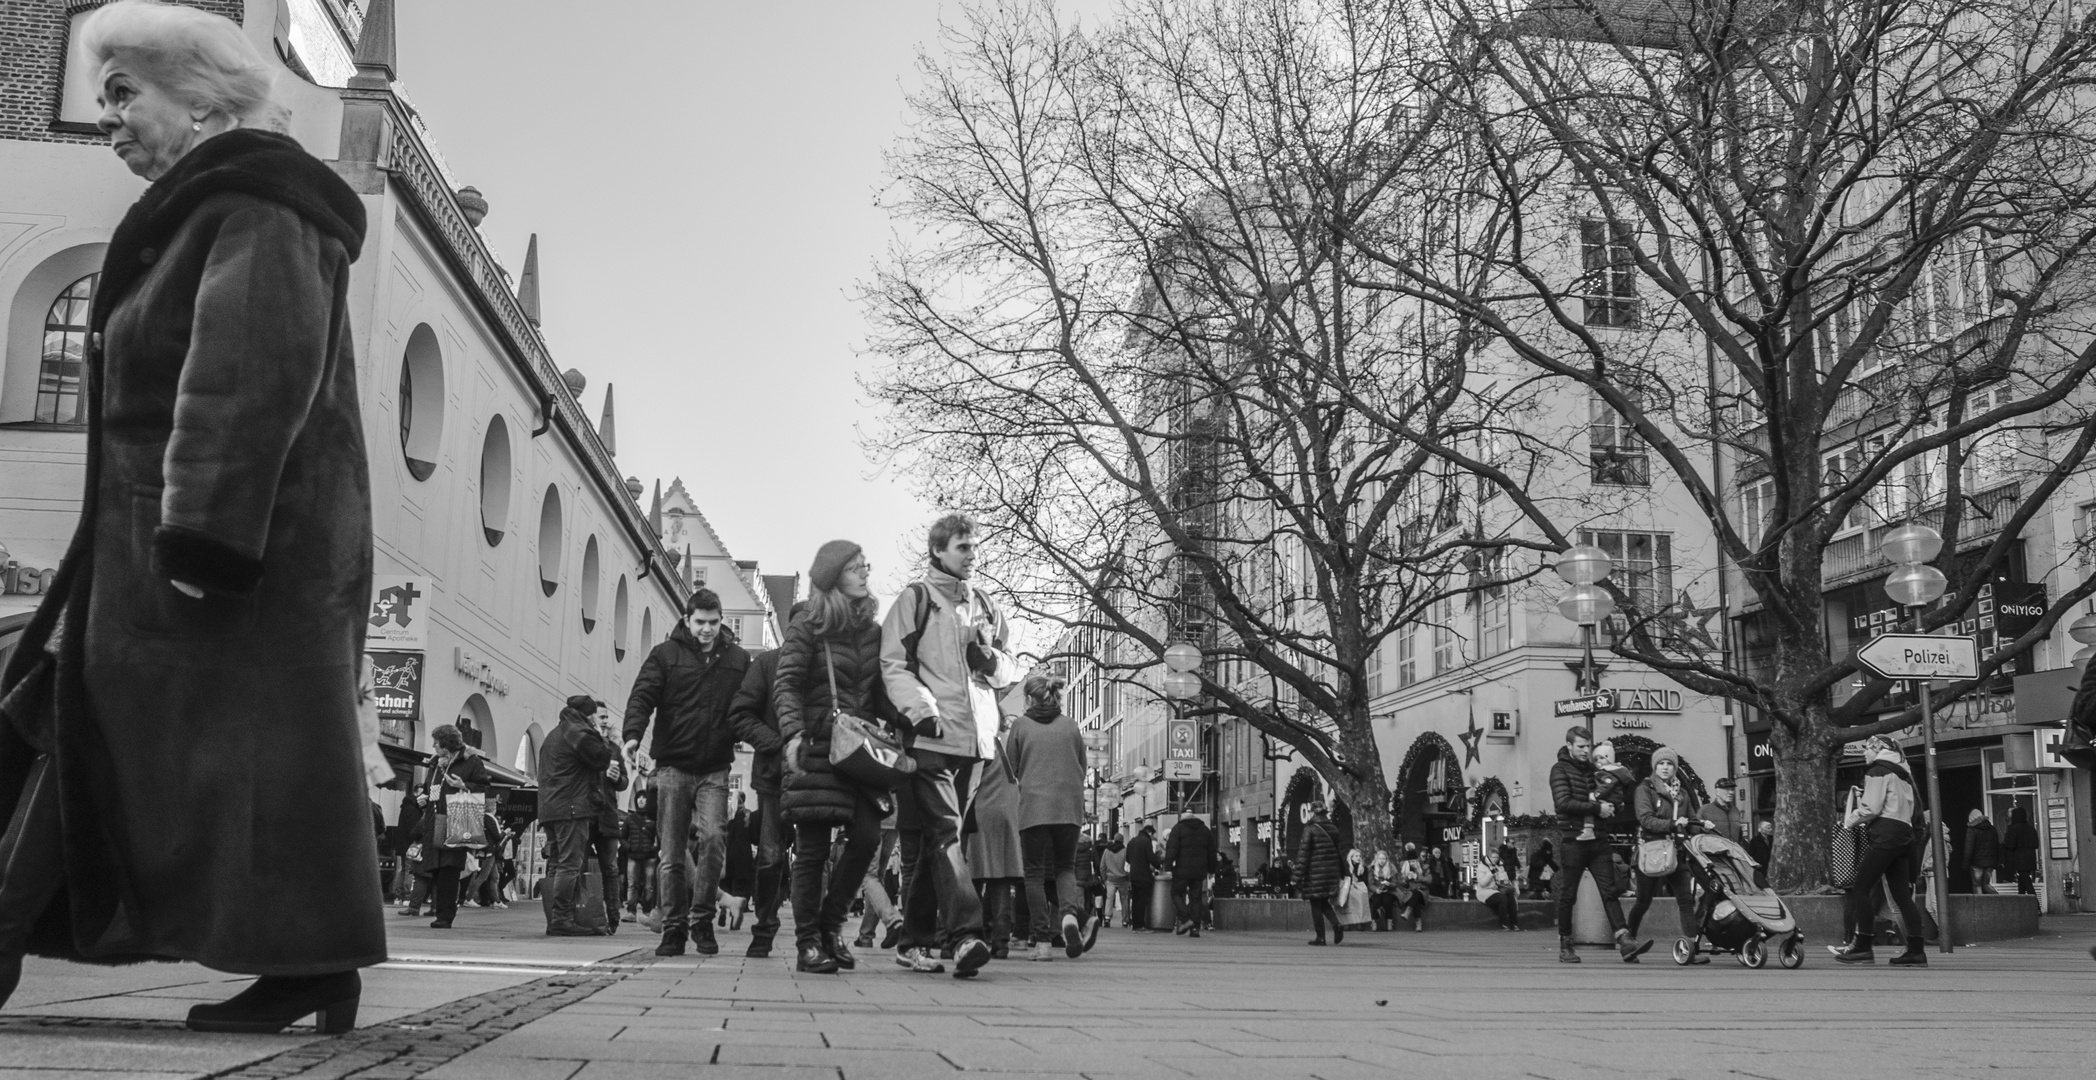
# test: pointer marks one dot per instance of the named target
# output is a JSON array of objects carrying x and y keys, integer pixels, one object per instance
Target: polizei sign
[{"x": 1921, "y": 656}]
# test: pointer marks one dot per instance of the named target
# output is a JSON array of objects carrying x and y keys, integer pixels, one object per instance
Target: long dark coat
[
  {"x": 208, "y": 750},
  {"x": 1321, "y": 860},
  {"x": 992, "y": 846},
  {"x": 801, "y": 700}
]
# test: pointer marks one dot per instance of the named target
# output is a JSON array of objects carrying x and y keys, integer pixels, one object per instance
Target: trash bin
[{"x": 1162, "y": 917}]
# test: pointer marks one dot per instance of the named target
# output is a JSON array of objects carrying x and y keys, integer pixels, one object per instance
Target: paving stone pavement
[{"x": 1454, "y": 1004}]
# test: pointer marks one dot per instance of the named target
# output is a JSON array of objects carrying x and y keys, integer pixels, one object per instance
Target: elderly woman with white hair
[{"x": 180, "y": 762}]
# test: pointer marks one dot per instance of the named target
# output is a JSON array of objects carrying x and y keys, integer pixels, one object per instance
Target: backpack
[{"x": 923, "y": 593}]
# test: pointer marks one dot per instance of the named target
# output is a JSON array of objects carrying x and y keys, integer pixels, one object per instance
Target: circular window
[
  {"x": 549, "y": 541},
  {"x": 495, "y": 481},
  {"x": 590, "y": 567},
  {"x": 647, "y": 628},
  {"x": 621, "y": 607},
  {"x": 421, "y": 402}
]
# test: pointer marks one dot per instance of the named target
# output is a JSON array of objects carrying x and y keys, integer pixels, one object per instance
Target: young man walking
[
  {"x": 686, "y": 686},
  {"x": 754, "y": 722},
  {"x": 944, "y": 660},
  {"x": 1142, "y": 876},
  {"x": 1572, "y": 784}
]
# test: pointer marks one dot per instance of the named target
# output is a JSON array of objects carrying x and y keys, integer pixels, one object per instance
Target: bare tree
[
  {"x": 1826, "y": 267},
  {"x": 1132, "y": 338}
]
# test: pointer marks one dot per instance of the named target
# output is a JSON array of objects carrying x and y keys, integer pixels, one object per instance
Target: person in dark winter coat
[
  {"x": 1666, "y": 811},
  {"x": 2019, "y": 851},
  {"x": 686, "y": 686},
  {"x": 196, "y": 718},
  {"x": 639, "y": 843},
  {"x": 1762, "y": 849},
  {"x": 1542, "y": 870},
  {"x": 830, "y": 664},
  {"x": 1321, "y": 863},
  {"x": 609, "y": 823},
  {"x": 455, "y": 768},
  {"x": 751, "y": 717},
  {"x": 573, "y": 760},
  {"x": 1142, "y": 875},
  {"x": 1573, "y": 789},
  {"x": 1191, "y": 850},
  {"x": 1982, "y": 851},
  {"x": 1047, "y": 759}
]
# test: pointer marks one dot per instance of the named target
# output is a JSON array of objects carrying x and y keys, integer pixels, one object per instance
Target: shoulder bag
[
  {"x": 1845, "y": 852},
  {"x": 862, "y": 749},
  {"x": 1658, "y": 858}
]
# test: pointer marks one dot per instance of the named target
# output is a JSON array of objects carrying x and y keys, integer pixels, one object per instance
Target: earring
[{"x": 196, "y": 125}]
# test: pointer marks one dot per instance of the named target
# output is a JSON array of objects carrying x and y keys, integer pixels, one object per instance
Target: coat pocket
[{"x": 157, "y": 608}]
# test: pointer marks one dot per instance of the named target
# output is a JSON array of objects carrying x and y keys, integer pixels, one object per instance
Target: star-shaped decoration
[{"x": 1469, "y": 740}]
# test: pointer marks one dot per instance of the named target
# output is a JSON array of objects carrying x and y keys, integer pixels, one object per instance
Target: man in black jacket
[
  {"x": 1191, "y": 852},
  {"x": 573, "y": 762},
  {"x": 752, "y": 719},
  {"x": 1572, "y": 789},
  {"x": 1142, "y": 875},
  {"x": 610, "y": 823},
  {"x": 686, "y": 686}
]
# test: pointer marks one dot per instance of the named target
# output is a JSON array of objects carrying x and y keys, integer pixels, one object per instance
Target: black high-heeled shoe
[{"x": 274, "y": 1002}]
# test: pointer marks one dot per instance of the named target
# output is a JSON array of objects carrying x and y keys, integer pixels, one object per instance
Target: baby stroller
[{"x": 1733, "y": 914}]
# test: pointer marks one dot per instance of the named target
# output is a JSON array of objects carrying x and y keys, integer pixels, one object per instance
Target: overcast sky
[{"x": 701, "y": 175}]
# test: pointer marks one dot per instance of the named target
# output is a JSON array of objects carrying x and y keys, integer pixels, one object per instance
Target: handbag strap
[{"x": 829, "y": 664}]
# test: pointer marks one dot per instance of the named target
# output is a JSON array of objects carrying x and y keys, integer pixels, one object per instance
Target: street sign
[
  {"x": 1921, "y": 656},
  {"x": 1603, "y": 701},
  {"x": 1182, "y": 769}
]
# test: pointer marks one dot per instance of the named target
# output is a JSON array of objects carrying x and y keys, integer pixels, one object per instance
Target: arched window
[{"x": 64, "y": 367}]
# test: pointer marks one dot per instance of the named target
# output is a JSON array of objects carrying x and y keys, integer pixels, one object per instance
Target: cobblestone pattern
[{"x": 413, "y": 1045}]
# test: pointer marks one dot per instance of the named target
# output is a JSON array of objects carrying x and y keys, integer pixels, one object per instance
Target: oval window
[
  {"x": 421, "y": 402},
  {"x": 495, "y": 481},
  {"x": 621, "y": 607},
  {"x": 590, "y": 568},
  {"x": 549, "y": 541}
]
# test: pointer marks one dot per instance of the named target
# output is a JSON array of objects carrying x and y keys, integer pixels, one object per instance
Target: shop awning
[{"x": 406, "y": 761}]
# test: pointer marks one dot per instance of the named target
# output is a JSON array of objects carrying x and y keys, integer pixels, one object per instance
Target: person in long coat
[
  {"x": 182, "y": 759},
  {"x": 454, "y": 769},
  {"x": 994, "y": 849},
  {"x": 1321, "y": 856}
]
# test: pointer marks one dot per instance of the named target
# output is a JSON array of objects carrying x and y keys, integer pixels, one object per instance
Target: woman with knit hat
[
  {"x": 1664, "y": 809},
  {"x": 830, "y": 664}
]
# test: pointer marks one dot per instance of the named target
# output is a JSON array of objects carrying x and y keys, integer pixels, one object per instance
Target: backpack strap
[{"x": 923, "y": 593}]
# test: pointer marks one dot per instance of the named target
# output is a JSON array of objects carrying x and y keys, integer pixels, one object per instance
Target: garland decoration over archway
[
  {"x": 1482, "y": 796},
  {"x": 1427, "y": 744}
]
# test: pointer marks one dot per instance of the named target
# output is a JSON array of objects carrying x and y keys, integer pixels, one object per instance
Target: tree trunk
[
  {"x": 1805, "y": 801},
  {"x": 1367, "y": 794}
]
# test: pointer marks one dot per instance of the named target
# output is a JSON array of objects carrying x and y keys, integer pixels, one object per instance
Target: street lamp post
[
  {"x": 1917, "y": 584},
  {"x": 1587, "y": 603},
  {"x": 1182, "y": 683}
]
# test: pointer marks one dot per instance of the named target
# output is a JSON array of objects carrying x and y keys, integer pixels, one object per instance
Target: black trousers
[
  {"x": 1050, "y": 855},
  {"x": 772, "y": 836},
  {"x": 1504, "y": 905},
  {"x": 1677, "y": 884},
  {"x": 1888, "y": 858},
  {"x": 939, "y": 904},
  {"x": 998, "y": 897},
  {"x": 605, "y": 846},
  {"x": 444, "y": 892},
  {"x": 1190, "y": 901},
  {"x": 820, "y": 906},
  {"x": 1139, "y": 890},
  {"x": 1321, "y": 912},
  {"x": 1576, "y": 857},
  {"x": 1382, "y": 907}
]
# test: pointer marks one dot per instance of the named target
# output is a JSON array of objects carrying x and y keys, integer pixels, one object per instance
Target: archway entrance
[
  {"x": 476, "y": 724},
  {"x": 1634, "y": 752},
  {"x": 1429, "y": 792}
]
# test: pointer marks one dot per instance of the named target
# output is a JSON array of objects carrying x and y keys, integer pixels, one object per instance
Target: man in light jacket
[{"x": 944, "y": 658}]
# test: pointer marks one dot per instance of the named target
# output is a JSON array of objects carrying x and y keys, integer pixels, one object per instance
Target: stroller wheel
[
  {"x": 1754, "y": 954},
  {"x": 1792, "y": 953},
  {"x": 1683, "y": 951}
]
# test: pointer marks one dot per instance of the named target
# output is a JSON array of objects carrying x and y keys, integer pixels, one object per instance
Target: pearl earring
[{"x": 196, "y": 125}]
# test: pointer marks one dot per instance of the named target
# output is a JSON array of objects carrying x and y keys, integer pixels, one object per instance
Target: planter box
[{"x": 1973, "y": 917}]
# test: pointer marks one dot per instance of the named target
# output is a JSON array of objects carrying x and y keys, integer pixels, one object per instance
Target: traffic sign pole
[{"x": 1939, "y": 883}]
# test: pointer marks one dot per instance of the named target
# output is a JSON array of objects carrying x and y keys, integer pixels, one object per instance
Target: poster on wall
[
  {"x": 399, "y": 616},
  {"x": 396, "y": 685}
]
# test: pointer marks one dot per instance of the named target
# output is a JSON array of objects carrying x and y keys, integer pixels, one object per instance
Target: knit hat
[
  {"x": 1975, "y": 818},
  {"x": 1666, "y": 753},
  {"x": 830, "y": 562}
]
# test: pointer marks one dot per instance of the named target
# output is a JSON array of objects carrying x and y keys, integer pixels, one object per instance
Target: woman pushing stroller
[{"x": 1664, "y": 809}]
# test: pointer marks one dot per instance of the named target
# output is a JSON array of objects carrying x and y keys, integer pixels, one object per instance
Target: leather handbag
[
  {"x": 1658, "y": 858},
  {"x": 860, "y": 749}
]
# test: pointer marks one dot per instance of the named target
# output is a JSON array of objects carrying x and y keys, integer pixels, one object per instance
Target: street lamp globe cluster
[
  {"x": 1914, "y": 583},
  {"x": 2083, "y": 630},
  {"x": 1584, "y": 568},
  {"x": 1180, "y": 682}
]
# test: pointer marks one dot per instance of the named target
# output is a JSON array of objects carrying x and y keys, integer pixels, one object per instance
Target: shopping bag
[{"x": 462, "y": 824}]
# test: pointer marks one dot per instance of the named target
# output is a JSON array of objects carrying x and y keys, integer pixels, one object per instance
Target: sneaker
[
  {"x": 863, "y": 941},
  {"x": 760, "y": 947},
  {"x": 1073, "y": 937},
  {"x": 969, "y": 957},
  {"x": 1091, "y": 932},
  {"x": 1041, "y": 952},
  {"x": 652, "y": 920},
  {"x": 915, "y": 960},
  {"x": 1179, "y": 929},
  {"x": 891, "y": 935},
  {"x": 1195, "y": 932}
]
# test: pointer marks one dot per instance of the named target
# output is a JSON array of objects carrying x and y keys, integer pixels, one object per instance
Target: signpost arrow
[{"x": 1921, "y": 656}]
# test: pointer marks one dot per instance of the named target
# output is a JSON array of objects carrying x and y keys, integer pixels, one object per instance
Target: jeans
[
  {"x": 640, "y": 882},
  {"x": 1050, "y": 851},
  {"x": 1503, "y": 904},
  {"x": 1382, "y": 908},
  {"x": 605, "y": 845},
  {"x": 567, "y": 845},
  {"x": 1677, "y": 883},
  {"x": 691, "y": 866},
  {"x": 1576, "y": 857},
  {"x": 880, "y": 908},
  {"x": 1117, "y": 902},
  {"x": 820, "y": 908},
  {"x": 1888, "y": 857},
  {"x": 938, "y": 904},
  {"x": 771, "y": 867},
  {"x": 1982, "y": 879},
  {"x": 997, "y": 897},
  {"x": 1190, "y": 901}
]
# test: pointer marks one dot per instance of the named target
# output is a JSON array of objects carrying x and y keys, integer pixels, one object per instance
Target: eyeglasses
[{"x": 861, "y": 567}]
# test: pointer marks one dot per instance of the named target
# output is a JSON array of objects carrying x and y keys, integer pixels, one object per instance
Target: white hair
[{"x": 198, "y": 57}]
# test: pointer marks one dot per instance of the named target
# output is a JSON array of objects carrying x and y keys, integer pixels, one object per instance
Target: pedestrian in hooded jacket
[
  {"x": 686, "y": 687},
  {"x": 1982, "y": 851},
  {"x": 195, "y": 722},
  {"x": 1048, "y": 762},
  {"x": 2019, "y": 849},
  {"x": 1322, "y": 856},
  {"x": 1192, "y": 851}
]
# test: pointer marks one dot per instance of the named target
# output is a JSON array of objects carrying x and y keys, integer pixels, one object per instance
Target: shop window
[
  {"x": 495, "y": 481},
  {"x": 549, "y": 541},
  {"x": 421, "y": 404},
  {"x": 63, "y": 367}
]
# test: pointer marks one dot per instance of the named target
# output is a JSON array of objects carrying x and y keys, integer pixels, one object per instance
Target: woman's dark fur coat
[{"x": 213, "y": 800}]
